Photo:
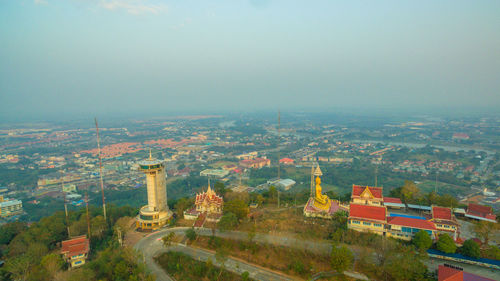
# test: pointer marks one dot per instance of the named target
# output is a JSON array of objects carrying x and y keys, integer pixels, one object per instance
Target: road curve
[{"x": 150, "y": 246}]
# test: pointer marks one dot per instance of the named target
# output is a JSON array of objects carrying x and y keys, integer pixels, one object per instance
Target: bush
[
  {"x": 471, "y": 249},
  {"x": 191, "y": 234},
  {"x": 422, "y": 240},
  {"x": 446, "y": 244}
]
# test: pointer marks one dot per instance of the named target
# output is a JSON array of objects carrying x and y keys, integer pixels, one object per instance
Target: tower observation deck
[{"x": 156, "y": 213}]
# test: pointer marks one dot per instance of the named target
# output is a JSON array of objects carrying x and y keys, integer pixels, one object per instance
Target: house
[
  {"x": 367, "y": 195},
  {"x": 367, "y": 218},
  {"x": 445, "y": 221},
  {"x": 480, "y": 212},
  {"x": 75, "y": 251},
  {"x": 286, "y": 161},
  {"x": 256, "y": 163}
]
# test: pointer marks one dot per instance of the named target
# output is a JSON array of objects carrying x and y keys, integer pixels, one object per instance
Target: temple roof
[
  {"x": 441, "y": 213},
  {"x": 367, "y": 212},
  {"x": 357, "y": 190},
  {"x": 209, "y": 196}
]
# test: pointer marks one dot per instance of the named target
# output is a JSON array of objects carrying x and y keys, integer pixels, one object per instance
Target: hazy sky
[{"x": 116, "y": 56}]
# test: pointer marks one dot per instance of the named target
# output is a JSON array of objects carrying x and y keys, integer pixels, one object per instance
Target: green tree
[
  {"x": 341, "y": 258},
  {"x": 237, "y": 207},
  {"x": 182, "y": 205},
  {"x": 191, "y": 234},
  {"x": 446, "y": 244},
  {"x": 483, "y": 229},
  {"x": 52, "y": 263},
  {"x": 228, "y": 222},
  {"x": 404, "y": 265},
  {"x": 409, "y": 191},
  {"x": 245, "y": 276},
  {"x": 220, "y": 188},
  {"x": 471, "y": 248},
  {"x": 422, "y": 240}
]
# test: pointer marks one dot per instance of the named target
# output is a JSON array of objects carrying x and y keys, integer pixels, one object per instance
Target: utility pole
[
  {"x": 436, "y": 184},
  {"x": 66, "y": 212},
  {"x": 88, "y": 219},
  {"x": 279, "y": 142},
  {"x": 312, "y": 178},
  {"x": 100, "y": 169},
  {"x": 376, "y": 174}
]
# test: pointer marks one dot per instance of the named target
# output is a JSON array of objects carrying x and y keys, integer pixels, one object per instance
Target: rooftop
[
  {"x": 411, "y": 222},
  {"x": 367, "y": 212},
  {"x": 357, "y": 190}
]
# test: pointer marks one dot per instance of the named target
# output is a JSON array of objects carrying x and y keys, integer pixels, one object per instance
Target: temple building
[
  {"x": 75, "y": 251},
  {"x": 156, "y": 213},
  {"x": 405, "y": 227},
  {"x": 319, "y": 205},
  {"x": 207, "y": 206},
  {"x": 480, "y": 212},
  {"x": 367, "y": 195},
  {"x": 445, "y": 221},
  {"x": 367, "y": 218}
]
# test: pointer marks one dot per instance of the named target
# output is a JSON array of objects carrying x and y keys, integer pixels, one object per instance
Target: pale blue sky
[{"x": 115, "y": 56}]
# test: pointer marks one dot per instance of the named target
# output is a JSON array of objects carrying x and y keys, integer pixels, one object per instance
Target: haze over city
[{"x": 133, "y": 57}]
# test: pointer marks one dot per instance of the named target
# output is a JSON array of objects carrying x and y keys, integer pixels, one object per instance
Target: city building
[
  {"x": 405, "y": 227},
  {"x": 256, "y": 163},
  {"x": 284, "y": 184},
  {"x": 216, "y": 173},
  {"x": 75, "y": 251},
  {"x": 445, "y": 221},
  {"x": 480, "y": 212},
  {"x": 156, "y": 213},
  {"x": 319, "y": 205},
  {"x": 286, "y": 161},
  {"x": 367, "y": 195},
  {"x": 10, "y": 207},
  {"x": 367, "y": 218},
  {"x": 207, "y": 206}
]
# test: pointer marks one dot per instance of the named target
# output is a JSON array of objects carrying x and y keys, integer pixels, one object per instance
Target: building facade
[
  {"x": 367, "y": 218},
  {"x": 75, "y": 251},
  {"x": 10, "y": 207},
  {"x": 445, "y": 221},
  {"x": 367, "y": 195},
  {"x": 156, "y": 213}
]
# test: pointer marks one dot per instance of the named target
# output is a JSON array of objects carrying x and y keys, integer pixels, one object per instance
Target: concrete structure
[
  {"x": 75, "y": 251},
  {"x": 10, "y": 207},
  {"x": 285, "y": 184},
  {"x": 394, "y": 203},
  {"x": 156, "y": 214}
]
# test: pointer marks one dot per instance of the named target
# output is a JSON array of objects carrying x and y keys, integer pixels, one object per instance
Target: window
[
  {"x": 377, "y": 224},
  {"x": 366, "y": 223},
  {"x": 356, "y": 222}
]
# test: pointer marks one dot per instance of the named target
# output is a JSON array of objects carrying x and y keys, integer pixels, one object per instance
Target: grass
[{"x": 183, "y": 267}]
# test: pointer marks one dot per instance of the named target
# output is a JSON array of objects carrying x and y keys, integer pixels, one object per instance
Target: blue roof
[
  {"x": 459, "y": 256},
  {"x": 407, "y": 216}
]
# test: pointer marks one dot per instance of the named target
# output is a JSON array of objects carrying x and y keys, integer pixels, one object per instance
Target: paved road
[{"x": 150, "y": 247}]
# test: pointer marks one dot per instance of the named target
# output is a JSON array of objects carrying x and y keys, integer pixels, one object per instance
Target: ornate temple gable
[{"x": 367, "y": 194}]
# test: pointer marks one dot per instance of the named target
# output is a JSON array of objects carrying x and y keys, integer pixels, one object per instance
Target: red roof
[
  {"x": 286, "y": 160},
  {"x": 367, "y": 212},
  {"x": 392, "y": 200},
  {"x": 441, "y": 213},
  {"x": 446, "y": 273},
  {"x": 358, "y": 189},
  {"x": 411, "y": 222},
  {"x": 76, "y": 246},
  {"x": 481, "y": 211}
]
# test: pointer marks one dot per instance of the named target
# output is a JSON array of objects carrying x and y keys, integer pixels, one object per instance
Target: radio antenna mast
[{"x": 100, "y": 169}]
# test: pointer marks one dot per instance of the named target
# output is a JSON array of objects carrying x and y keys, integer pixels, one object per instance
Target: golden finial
[{"x": 150, "y": 155}]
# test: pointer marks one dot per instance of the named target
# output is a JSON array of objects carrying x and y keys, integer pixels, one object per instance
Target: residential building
[
  {"x": 75, "y": 251},
  {"x": 216, "y": 173},
  {"x": 286, "y": 161},
  {"x": 10, "y": 207},
  {"x": 256, "y": 163}
]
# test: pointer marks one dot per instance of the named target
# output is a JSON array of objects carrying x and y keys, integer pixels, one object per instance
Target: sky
[{"x": 94, "y": 57}]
